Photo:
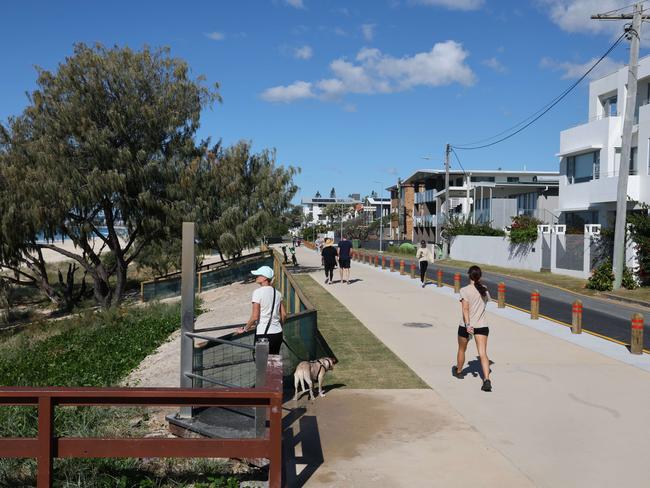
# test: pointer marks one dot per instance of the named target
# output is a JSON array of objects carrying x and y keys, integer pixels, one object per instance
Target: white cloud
[
  {"x": 295, "y": 3},
  {"x": 304, "y": 52},
  {"x": 452, "y": 4},
  {"x": 575, "y": 15},
  {"x": 216, "y": 36},
  {"x": 350, "y": 107},
  {"x": 298, "y": 90},
  {"x": 368, "y": 31},
  {"x": 494, "y": 64},
  {"x": 373, "y": 72},
  {"x": 576, "y": 70}
]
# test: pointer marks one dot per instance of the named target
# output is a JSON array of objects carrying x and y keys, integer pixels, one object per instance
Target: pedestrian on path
[
  {"x": 474, "y": 299},
  {"x": 330, "y": 259},
  {"x": 268, "y": 313},
  {"x": 345, "y": 246},
  {"x": 319, "y": 245},
  {"x": 424, "y": 258}
]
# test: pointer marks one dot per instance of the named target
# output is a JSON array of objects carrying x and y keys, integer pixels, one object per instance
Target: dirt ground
[{"x": 222, "y": 306}]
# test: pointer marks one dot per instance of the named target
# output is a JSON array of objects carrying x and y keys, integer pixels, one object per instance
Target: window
[
  {"x": 526, "y": 203},
  {"x": 634, "y": 170},
  {"x": 610, "y": 106},
  {"x": 513, "y": 179},
  {"x": 583, "y": 167},
  {"x": 480, "y": 179}
]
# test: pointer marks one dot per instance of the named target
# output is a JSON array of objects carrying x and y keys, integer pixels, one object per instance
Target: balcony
[
  {"x": 425, "y": 221},
  {"x": 426, "y": 196}
]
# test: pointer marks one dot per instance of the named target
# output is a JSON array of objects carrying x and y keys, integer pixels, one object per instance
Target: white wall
[{"x": 496, "y": 251}]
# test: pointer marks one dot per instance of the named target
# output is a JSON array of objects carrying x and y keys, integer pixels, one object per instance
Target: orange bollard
[
  {"x": 457, "y": 283},
  {"x": 576, "y": 317},
  {"x": 392, "y": 265},
  {"x": 501, "y": 292},
  {"x": 413, "y": 270},
  {"x": 376, "y": 261},
  {"x": 439, "y": 278},
  {"x": 534, "y": 305},
  {"x": 401, "y": 266},
  {"x": 383, "y": 262},
  {"x": 636, "y": 344}
]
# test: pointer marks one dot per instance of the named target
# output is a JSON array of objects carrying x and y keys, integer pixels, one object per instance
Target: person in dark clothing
[
  {"x": 345, "y": 246},
  {"x": 330, "y": 260}
]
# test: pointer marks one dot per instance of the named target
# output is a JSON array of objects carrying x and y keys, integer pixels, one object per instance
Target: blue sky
[{"x": 353, "y": 92}]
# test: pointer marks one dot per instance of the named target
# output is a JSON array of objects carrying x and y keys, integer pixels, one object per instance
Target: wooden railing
[{"x": 48, "y": 445}]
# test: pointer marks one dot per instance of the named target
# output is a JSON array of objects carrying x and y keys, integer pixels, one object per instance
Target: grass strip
[{"x": 364, "y": 361}]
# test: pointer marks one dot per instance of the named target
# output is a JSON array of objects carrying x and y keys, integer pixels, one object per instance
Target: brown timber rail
[{"x": 48, "y": 446}]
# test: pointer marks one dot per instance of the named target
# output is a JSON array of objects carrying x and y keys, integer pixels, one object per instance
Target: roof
[
  {"x": 425, "y": 173},
  {"x": 327, "y": 201}
]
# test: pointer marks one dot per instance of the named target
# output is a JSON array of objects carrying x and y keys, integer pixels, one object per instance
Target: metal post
[
  {"x": 45, "y": 442},
  {"x": 261, "y": 359},
  {"x": 188, "y": 275}
]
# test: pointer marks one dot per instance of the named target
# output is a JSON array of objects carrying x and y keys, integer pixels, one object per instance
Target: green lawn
[{"x": 364, "y": 361}]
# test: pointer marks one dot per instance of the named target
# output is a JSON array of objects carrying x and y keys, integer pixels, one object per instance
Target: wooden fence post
[
  {"x": 576, "y": 317},
  {"x": 501, "y": 295},
  {"x": 534, "y": 305},
  {"x": 636, "y": 344}
]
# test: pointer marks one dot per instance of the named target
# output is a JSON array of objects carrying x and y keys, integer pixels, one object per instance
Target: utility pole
[
  {"x": 447, "y": 203},
  {"x": 634, "y": 35}
]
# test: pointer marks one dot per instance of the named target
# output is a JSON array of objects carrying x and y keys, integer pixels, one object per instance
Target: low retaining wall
[{"x": 497, "y": 251}]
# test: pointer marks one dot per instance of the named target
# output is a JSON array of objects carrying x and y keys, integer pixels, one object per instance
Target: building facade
[
  {"x": 490, "y": 197},
  {"x": 590, "y": 153},
  {"x": 313, "y": 208}
]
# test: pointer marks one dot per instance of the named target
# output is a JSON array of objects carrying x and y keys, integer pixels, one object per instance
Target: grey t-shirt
[{"x": 477, "y": 305}]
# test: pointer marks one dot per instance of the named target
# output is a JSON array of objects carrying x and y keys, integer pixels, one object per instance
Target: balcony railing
[
  {"x": 426, "y": 196},
  {"x": 425, "y": 221}
]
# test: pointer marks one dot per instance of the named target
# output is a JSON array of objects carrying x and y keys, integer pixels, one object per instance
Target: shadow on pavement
[
  {"x": 474, "y": 368},
  {"x": 300, "y": 429}
]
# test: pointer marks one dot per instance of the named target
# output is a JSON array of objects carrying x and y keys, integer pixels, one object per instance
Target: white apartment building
[
  {"x": 313, "y": 208},
  {"x": 590, "y": 153}
]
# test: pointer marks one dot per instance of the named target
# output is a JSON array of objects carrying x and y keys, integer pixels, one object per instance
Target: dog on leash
[{"x": 310, "y": 371}]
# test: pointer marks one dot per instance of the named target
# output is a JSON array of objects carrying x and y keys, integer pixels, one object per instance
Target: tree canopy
[{"x": 105, "y": 155}]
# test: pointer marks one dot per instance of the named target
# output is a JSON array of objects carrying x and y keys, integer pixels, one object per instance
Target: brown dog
[{"x": 310, "y": 371}]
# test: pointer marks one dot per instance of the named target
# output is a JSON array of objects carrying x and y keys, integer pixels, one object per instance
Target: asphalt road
[{"x": 605, "y": 317}]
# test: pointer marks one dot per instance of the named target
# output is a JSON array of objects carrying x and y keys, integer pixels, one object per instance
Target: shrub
[
  {"x": 407, "y": 248},
  {"x": 524, "y": 229},
  {"x": 460, "y": 226},
  {"x": 602, "y": 278}
]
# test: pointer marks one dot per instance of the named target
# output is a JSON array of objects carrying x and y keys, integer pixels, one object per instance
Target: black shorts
[
  {"x": 344, "y": 263},
  {"x": 275, "y": 341},
  {"x": 462, "y": 331}
]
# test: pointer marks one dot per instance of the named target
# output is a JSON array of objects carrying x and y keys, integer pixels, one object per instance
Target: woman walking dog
[
  {"x": 424, "y": 258},
  {"x": 268, "y": 313},
  {"x": 474, "y": 299}
]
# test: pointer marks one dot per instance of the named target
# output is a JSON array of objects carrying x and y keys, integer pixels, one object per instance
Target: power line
[{"x": 544, "y": 110}]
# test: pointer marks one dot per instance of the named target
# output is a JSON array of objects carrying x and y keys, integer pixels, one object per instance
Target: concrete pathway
[{"x": 560, "y": 413}]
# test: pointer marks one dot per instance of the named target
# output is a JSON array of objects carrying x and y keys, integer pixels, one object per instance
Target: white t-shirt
[{"x": 264, "y": 296}]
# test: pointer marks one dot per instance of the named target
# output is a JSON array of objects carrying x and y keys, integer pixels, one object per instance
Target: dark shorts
[
  {"x": 462, "y": 331},
  {"x": 275, "y": 341},
  {"x": 344, "y": 263}
]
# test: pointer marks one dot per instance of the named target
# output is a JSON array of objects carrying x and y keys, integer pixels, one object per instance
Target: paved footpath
[{"x": 561, "y": 414}]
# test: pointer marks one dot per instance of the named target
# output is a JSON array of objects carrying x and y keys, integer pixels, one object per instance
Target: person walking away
[
  {"x": 330, "y": 259},
  {"x": 268, "y": 313},
  {"x": 423, "y": 257},
  {"x": 345, "y": 246},
  {"x": 474, "y": 299},
  {"x": 319, "y": 245}
]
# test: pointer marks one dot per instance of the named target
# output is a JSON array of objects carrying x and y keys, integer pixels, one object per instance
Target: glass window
[
  {"x": 633, "y": 161},
  {"x": 513, "y": 179},
  {"x": 583, "y": 167},
  {"x": 610, "y": 106}
]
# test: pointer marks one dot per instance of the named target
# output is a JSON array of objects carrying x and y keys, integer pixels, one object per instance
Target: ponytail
[{"x": 475, "y": 275}]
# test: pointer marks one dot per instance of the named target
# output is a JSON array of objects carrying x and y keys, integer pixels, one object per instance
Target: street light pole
[{"x": 381, "y": 216}]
